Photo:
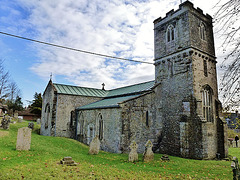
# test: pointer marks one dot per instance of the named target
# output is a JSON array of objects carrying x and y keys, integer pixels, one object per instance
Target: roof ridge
[{"x": 78, "y": 86}]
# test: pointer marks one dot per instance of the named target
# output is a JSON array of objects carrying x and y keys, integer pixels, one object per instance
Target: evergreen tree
[{"x": 36, "y": 106}]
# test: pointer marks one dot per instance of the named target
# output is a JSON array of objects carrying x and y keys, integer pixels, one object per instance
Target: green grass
[{"x": 42, "y": 162}]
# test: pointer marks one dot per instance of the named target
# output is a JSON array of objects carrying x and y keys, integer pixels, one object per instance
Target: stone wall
[
  {"x": 65, "y": 105},
  {"x": 47, "y": 111},
  {"x": 139, "y": 122},
  {"x": 186, "y": 22},
  {"x": 88, "y": 127}
]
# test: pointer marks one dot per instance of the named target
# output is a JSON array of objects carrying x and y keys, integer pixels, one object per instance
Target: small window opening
[
  {"x": 147, "y": 119},
  {"x": 100, "y": 127},
  {"x": 202, "y": 31},
  {"x": 205, "y": 68}
]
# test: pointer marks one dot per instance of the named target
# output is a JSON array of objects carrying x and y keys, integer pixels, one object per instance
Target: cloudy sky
[{"x": 122, "y": 28}]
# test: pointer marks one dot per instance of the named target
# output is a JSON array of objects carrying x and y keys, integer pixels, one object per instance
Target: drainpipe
[{"x": 76, "y": 118}]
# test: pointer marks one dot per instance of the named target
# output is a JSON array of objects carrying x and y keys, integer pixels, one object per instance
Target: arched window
[
  {"x": 72, "y": 119},
  {"x": 202, "y": 30},
  {"x": 170, "y": 33},
  {"x": 47, "y": 115},
  {"x": 207, "y": 103}
]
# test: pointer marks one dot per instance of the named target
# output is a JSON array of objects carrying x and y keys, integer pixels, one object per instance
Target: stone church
[{"x": 179, "y": 111}]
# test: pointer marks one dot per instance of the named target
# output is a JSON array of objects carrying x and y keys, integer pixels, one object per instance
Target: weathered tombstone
[
  {"x": 235, "y": 167},
  {"x": 133, "y": 155},
  {"x": 148, "y": 154},
  {"x": 68, "y": 161},
  {"x": 234, "y": 144},
  {"x": 20, "y": 120},
  {"x": 31, "y": 125},
  {"x": 24, "y": 138},
  {"x": 94, "y": 146},
  {"x": 38, "y": 121},
  {"x": 229, "y": 144},
  {"x": 5, "y": 122}
]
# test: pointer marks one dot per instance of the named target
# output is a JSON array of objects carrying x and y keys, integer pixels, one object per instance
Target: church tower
[{"x": 187, "y": 104}]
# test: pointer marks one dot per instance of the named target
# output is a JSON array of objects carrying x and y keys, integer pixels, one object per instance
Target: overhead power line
[{"x": 74, "y": 49}]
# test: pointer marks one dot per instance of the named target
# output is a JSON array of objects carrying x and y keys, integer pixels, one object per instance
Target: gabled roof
[{"x": 79, "y": 91}]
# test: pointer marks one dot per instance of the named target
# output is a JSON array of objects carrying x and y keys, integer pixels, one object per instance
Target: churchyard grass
[{"x": 42, "y": 162}]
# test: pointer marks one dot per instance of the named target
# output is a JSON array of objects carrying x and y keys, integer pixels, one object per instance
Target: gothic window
[
  {"x": 170, "y": 33},
  {"x": 147, "y": 119},
  {"x": 202, "y": 31},
  {"x": 207, "y": 104},
  {"x": 205, "y": 68}
]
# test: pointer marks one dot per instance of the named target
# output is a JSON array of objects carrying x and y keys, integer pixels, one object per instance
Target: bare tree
[
  {"x": 4, "y": 79},
  {"x": 13, "y": 91},
  {"x": 228, "y": 21}
]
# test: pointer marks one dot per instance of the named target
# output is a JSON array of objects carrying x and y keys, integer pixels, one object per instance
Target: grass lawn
[{"x": 42, "y": 162}]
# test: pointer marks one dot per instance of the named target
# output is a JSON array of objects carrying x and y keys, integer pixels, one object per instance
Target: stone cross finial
[{"x": 103, "y": 85}]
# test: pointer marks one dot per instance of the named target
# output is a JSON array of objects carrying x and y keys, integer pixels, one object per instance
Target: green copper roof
[
  {"x": 136, "y": 88},
  {"x": 106, "y": 103},
  {"x": 123, "y": 91},
  {"x": 80, "y": 91}
]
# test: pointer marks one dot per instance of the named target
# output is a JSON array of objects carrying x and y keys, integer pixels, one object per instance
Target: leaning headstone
[
  {"x": 94, "y": 146},
  {"x": 234, "y": 144},
  {"x": 148, "y": 154},
  {"x": 31, "y": 125},
  {"x": 24, "y": 138},
  {"x": 165, "y": 158},
  {"x": 5, "y": 122},
  {"x": 68, "y": 161},
  {"x": 133, "y": 155}
]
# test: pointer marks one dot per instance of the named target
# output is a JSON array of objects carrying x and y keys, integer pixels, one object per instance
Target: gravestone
[
  {"x": 148, "y": 154},
  {"x": 68, "y": 161},
  {"x": 234, "y": 144},
  {"x": 5, "y": 122},
  {"x": 31, "y": 125},
  {"x": 24, "y": 139},
  {"x": 38, "y": 121},
  {"x": 20, "y": 120},
  {"x": 94, "y": 146},
  {"x": 133, "y": 155}
]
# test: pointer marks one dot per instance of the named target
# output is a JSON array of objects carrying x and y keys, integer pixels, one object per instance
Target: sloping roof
[
  {"x": 80, "y": 91},
  {"x": 106, "y": 103},
  {"x": 111, "y": 98},
  {"x": 83, "y": 91},
  {"x": 136, "y": 88}
]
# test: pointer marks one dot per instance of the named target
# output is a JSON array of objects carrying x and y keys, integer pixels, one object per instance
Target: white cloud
[{"x": 117, "y": 28}]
